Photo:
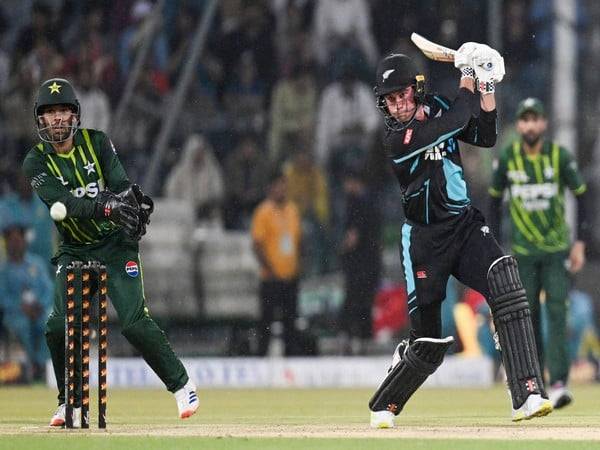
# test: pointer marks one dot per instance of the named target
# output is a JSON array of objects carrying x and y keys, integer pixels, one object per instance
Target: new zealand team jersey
[
  {"x": 536, "y": 189},
  {"x": 426, "y": 159},
  {"x": 75, "y": 179}
]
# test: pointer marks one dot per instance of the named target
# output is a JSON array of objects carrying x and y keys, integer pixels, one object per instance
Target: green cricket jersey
[
  {"x": 535, "y": 188},
  {"x": 75, "y": 179}
]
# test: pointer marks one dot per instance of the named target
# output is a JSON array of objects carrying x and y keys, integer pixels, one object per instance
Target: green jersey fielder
[
  {"x": 535, "y": 174},
  {"x": 80, "y": 168}
]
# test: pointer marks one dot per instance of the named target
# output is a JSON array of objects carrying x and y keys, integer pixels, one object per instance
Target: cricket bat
[{"x": 432, "y": 50}]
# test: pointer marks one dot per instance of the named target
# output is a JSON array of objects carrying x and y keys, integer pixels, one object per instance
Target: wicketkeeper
[{"x": 106, "y": 217}]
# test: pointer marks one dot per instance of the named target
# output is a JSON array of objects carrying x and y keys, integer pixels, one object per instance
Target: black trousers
[
  {"x": 462, "y": 246},
  {"x": 279, "y": 300}
]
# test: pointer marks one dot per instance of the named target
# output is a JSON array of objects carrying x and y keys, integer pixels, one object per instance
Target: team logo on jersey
[
  {"x": 421, "y": 274},
  {"x": 408, "y": 136},
  {"x": 485, "y": 230},
  {"x": 132, "y": 269},
  {"x": 90, "y": 168},
  {"x": 549, "y": 173},
  {"x": 436, "y": 153}
]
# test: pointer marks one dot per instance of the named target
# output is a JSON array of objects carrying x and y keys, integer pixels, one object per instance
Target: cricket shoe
[
  {"x": 534, "y": 406},
  {"x": 382, "y": 419},
  {"x": 187, "y": 400},
  {"x": 559, "y": 395},
  {"x": 58, "y": 419}
]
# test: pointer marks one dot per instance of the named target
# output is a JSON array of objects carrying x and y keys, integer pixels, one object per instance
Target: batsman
[
  {"x": 106, "y": 217},
  {"x": 444, "y": 234}
]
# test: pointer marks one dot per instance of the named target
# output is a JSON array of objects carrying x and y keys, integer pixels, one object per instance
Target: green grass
[{"x": 320, "y": 419}]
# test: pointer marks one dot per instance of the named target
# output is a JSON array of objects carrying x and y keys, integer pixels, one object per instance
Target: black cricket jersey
[{"x": 426, "y": 159}]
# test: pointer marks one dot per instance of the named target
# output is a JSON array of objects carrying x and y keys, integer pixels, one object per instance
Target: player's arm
[
  {"x": 51, "y": 190},
  {"x": 569, "y": 172},
  {"x": 114, "y": 173},
  {"x": 417, "y": 138}
]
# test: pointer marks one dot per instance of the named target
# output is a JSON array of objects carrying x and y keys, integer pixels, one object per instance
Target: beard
[{"x": 531, "y": 139}]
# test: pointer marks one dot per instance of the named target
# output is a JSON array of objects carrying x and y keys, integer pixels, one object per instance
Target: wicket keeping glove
[{"x": 113, "y": 207}]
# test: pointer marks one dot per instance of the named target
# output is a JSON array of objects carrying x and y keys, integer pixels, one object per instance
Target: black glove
[
  {"x": 120, "y": 210},
  {"x": 146, "y": 204}
]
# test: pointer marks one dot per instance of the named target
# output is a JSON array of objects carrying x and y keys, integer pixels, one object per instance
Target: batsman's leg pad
[
  {"x": 512, "y": 319},
  {"x": 420, "y": 360}
]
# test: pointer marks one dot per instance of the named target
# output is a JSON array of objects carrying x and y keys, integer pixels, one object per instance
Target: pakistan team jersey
[
  {"x": 426, "y": 159},
  {"x": 535, "y": 186},
  {"x": 75, "y": 179}
]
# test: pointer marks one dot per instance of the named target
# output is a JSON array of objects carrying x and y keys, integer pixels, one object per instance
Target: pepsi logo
[{"x": 132, "y": 269}]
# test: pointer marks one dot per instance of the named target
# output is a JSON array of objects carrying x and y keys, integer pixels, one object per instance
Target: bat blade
[{"x": 432, "y": 50}]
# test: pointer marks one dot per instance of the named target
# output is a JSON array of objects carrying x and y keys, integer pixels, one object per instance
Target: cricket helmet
[
  {"x": 394, "y": 73},
  {"x": 56, "y": 91}
]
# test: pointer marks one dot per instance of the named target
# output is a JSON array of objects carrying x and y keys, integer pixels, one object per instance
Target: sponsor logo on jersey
[
  {"x": 517, "y": 176},
  {"x": 131, "y": 268},
  {"x": 436, "y": 153},
  {"x": 535, "y": 197},
  {"x": 421, "y": 274},
  {"x": 485, "y": 230},
  {"x": 91, "y": 190},
  {"x": 408, "y": 136}
]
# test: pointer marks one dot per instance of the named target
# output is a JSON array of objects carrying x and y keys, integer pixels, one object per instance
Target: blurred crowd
[{"x": 284, "y": 83}]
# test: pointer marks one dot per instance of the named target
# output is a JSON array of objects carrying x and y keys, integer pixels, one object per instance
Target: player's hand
[
  {"x": 463, "y": 56},
  {"x": 145, "y": 203},
  {"x": 113, "y": 207},
  {"x": 488, "y": 64},
  {"x": 577, "y": 257}
]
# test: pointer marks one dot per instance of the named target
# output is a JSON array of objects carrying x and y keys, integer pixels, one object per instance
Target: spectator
[
  {"x": 197, "y": 178},
  {"x": 135, "y": 34},
  {"x": 361, "y": 259},
  {"x": 276, "y": 236},
  {"x": 22, "y": 206},
  {"x": 307, "y": 187},
  {"x": 293, "y": 108},
  {"x": 93, "y": 101},
  {"x": 25, "y": 297},
  {"x": 245, "y": 96},
  {"x": 245, "y": 172},
  {"x": 343, "y": 23},
  {"x": 346, "y": 118}
]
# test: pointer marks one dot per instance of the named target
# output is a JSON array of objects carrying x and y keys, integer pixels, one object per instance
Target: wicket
[{"x": 87, "y": 272}]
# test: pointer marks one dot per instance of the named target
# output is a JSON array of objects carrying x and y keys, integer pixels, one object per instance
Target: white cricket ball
[{"x": 58, "y": 211}]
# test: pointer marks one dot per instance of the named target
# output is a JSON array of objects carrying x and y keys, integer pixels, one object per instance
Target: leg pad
[{"x": 419, "y": 360}]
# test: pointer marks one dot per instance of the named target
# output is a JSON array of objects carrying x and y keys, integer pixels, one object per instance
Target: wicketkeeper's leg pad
[
  {"x": 415, "y": 364},
  {"x": 512, "y": 319}
]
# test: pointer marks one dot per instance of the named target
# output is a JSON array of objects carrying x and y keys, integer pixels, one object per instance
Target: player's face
[
  {"x": 531, "y": 127},
  {"x": 58, "y": 120},
  {"x": 401, "y": 104}
]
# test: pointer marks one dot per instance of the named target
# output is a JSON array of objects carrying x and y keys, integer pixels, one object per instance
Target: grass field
[{"x": 301, "y": 419}]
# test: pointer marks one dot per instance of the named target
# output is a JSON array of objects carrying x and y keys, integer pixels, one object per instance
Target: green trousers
[
  {"x": 548, "y": 273},
  {"x": 126, "y": 294}
]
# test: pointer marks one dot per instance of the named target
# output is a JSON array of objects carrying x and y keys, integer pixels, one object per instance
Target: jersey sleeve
[
  {"x": 51, "y": 190},
  {"x": 115, "y": 176},
  {"x": 421, "y": 135},
  {"x": 569, "y": 173},
  {"x": 499, "y": 179},
  {"x": 482, "y": 130}
]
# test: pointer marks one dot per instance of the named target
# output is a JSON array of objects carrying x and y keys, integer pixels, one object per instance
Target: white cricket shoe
[
  {"x": 534, "y": 406},
  {"x": 560, "y": 396},
  {"x": 187, "y": 400},
  {"x": 382, "y": 419},
  {"x": 58, "y": 419}
]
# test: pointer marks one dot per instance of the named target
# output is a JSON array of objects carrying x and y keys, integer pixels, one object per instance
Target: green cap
[{"x": 530, "y": 104}]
